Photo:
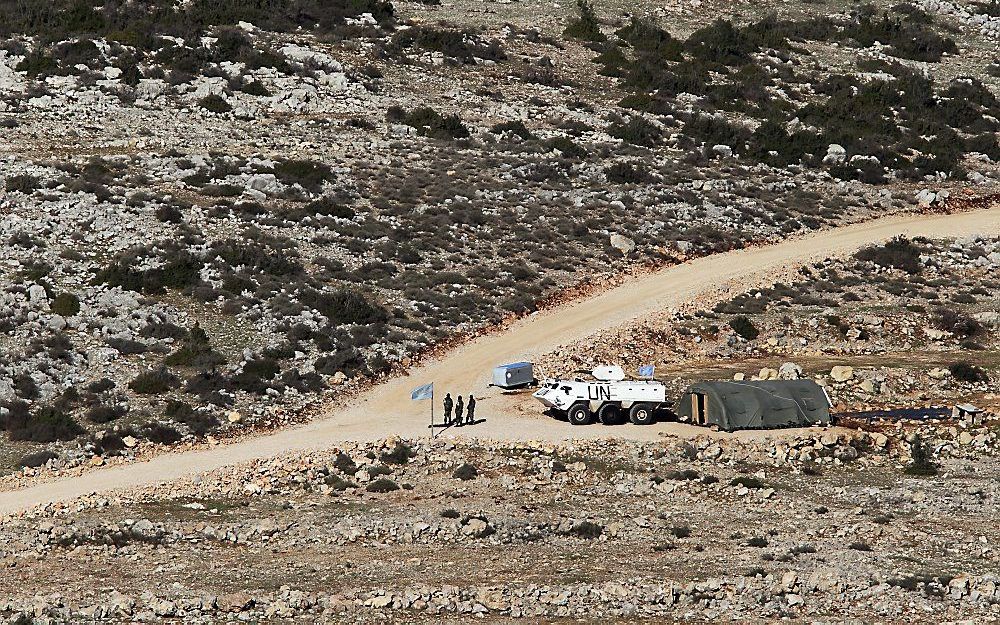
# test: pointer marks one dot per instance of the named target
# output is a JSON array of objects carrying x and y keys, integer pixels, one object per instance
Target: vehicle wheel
[
  {"x": 641, "y": 414},
  {"x": 579, "y": 414},
  {"x": 610, "y": 414}
]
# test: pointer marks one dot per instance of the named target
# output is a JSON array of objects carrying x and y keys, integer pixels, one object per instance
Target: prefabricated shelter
[
  {"x": 513, "y": 375},
  {"x": 755, "y": 405},
  {"x": 967, "y": 412}
]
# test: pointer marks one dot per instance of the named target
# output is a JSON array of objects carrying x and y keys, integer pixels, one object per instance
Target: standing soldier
[
  {"x": 458, "y": 411},
  {"x": 470, "y": 413},
  {"x": 448, "y": 405}
]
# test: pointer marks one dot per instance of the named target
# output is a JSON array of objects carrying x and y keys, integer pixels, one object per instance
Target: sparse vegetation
[
  {"x": 922, "y": 460},
  {"x": 154, "y": 382},
  {"x": 587, "y": 529},
  {"x": 466, "y": 472},
  {"x": 382, "y": 485},
  {"x": 429, "y": 122},
  {"x": 966, "y": 372},
  {"x": 899, "y": 253},
  {"x": 585, "y": 25},
  {"x": 400, "y": 454},
  {"x": 743, "y": 327}
]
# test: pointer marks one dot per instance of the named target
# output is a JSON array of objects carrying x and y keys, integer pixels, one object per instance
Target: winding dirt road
[{"x": 386, "y": 410}]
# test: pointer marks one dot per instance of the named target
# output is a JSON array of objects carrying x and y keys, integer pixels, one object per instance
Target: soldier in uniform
[
  {"x": 448, "y": 405},
  {"x": 470, "y": 412},
  {"x": 458, "y": 411}
]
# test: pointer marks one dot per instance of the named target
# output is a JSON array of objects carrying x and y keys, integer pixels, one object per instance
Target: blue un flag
[
  {"x": 646, "y": 371},
  {"x": 423, "y": 392}
]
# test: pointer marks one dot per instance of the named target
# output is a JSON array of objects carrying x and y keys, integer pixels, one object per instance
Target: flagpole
[{"x": 432, "y": 410}]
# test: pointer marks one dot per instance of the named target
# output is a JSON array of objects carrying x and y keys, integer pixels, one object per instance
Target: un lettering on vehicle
[{"x": 599, "y": 392}]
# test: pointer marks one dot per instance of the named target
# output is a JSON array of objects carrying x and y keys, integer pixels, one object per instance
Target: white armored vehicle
[{"x": 609, "y": 397}]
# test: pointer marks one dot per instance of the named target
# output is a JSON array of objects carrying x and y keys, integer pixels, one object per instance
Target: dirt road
[{"x": 387, "y": 410}]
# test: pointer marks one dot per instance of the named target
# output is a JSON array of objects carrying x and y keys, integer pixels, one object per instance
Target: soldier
[
  {"x": 458, "y": 411},
  {"x": 470, "y": 413},
  {"x": 448, "y": 405}
]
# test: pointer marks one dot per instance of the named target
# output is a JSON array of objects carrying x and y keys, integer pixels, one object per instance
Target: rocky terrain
[
  {"x": 835, "y": 525},
  {"x": 217, "y": 217},
  {"x": 900, "y": 325},
  {"x": 216, "y": 214}
]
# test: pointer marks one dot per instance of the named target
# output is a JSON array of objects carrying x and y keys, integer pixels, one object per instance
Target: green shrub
[
  {"x": 337, "y": 483},
  {"x": 382, "y": 485},
  {"x": 743, "y": 327},
  {"x": 899, "y": 253},
  {"x": 199, "y": 422},
  {"x": 255, "y": 88},
  {"x": 722, "y": 42},
  {"x": 100, "y": 386},
  {"x": 195, "y": 351},
  {"x": 967, "y": 372},
  {"x": 637, "y": 131},
  {"x": 160, "y": 433},
  {"x": 456, "y": 44},
  {"x": 587, "y": 529},
  {"x": 260, "y": 253},
  {"x": 747, "y": 482},
  {"x": 255, "y": 374},
  {"x": 567, "y": 146},
  {"x": 516, "y": 127},
  {"x": 400, "y": 454},
  {"x": 105, "y": 414},
  {"x": 181, "y": 270},
  {"x": 626, "y": 172},
  {"x": 154, "y": 382},
  {"x": 135, "y": 24},
  {"x": 345, "y": 307},
  {"x": 429, "y": 123},
  {"x": 683, "y": 475},
  {"x": 908, "y": 37},
  {"x": 922, "y": 460},
  {"x": 325, "y": 206},
  {"x": 215, "y": 103},
  {"x": 310, "y": 175},
  {"x": 168, "y": 213},
  {"x": 680, "y": 531},
  {"x": 647, "y": 38},
  {"x": 49, "y": 424},
  {"x": 36, "y": 459},
  {"x": 466, "y": 472},
  {"x": 716, "y": 131},
  {"x": 584, "y": 26},
  {"x": 345, "y": 464},
  {"x": 23, "y": 183},
  {"x": 66, "y": 304},
  {"x": 961, "y": 325},
  {"x": 37, "y": 64}
]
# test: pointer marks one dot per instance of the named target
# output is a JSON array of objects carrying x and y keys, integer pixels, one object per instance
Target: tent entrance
[{"x": 699, "y": 408}]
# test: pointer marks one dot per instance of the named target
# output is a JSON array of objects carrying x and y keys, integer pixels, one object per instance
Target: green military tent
[{"x": 755, "y": 405}]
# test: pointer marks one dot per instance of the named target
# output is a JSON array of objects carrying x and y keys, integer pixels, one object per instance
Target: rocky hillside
[
  {"x": 884, "y": 527},
  {"x": 215, "y": 212},
  {"x": 910, "y": 323}
]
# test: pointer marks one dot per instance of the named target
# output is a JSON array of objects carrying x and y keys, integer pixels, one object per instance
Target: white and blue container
[{"x": 514, "y": 375}]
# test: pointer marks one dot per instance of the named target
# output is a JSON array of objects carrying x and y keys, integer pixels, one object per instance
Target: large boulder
[
  {"x": 842, "y": 373},
  {"x": 789, "y": 371},
  {"x": 835, "y": 154},
  {"x": 622, "y": 243},
  {"x": 767, "y": 373}
]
